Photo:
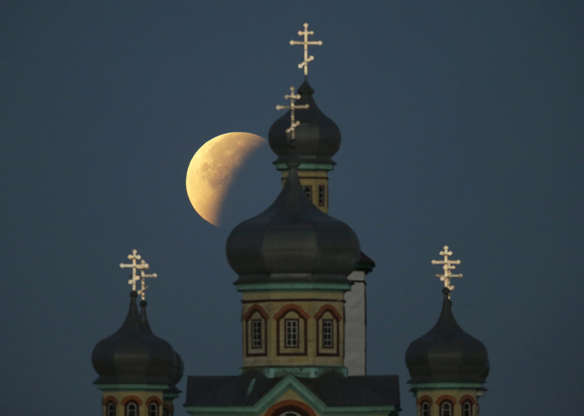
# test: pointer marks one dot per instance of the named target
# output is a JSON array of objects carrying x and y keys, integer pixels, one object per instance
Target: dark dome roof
[
  {"x": 446, "y": 353},
  {"x": 134, "y": 355},
  {"x": 317, "y": 137},
  {"x": 292, "y": 240}
]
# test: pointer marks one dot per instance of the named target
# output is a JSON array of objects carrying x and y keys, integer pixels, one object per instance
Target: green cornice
[
  {"x": 300, "y": 371},
  {"x": 206, "y": 410},
  {"x": 290, "y": 286},
  {"x": 447, "y": 385},
  {"x": 170, "y": 396},
  {"x": 132, "y": 387},
  {"x": 386, "y": 410},
  {"x": 306, "y": 166}
]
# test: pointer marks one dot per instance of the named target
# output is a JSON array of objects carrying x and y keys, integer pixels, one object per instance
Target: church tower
[
  {"x": 447, "y": 366},
  {"x": 313, "y": 138},
  {"x": 316, "y": 139},
  {"x": 292, "y": 263},
  {"x": 305, "y": 131},
  {"x": 137, "y": 370}
]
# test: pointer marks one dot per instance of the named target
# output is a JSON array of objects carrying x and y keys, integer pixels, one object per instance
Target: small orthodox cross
[
  {"x": 305, "y": 43},
  {"x": 143, "y": 277},
  {"x": 447, "y": 266},
  {"x": 293, "y": 106},
  {"x": 135, "y": 266}
]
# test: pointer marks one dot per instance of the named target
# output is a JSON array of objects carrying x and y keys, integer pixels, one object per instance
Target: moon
[{"x": 213, "y": 168}]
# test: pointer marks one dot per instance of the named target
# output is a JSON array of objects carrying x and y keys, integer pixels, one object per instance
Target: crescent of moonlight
[{"x": 213, "y": 168}]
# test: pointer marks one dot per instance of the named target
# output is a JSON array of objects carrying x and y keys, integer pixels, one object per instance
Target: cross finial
[
  {"x": 293, "y": 106},
  {"x": 305, "y": 43},
  {"x": 447, "y": 266},
  {"x": 135, "y": 266},
  {"x": 143, "y": 277}
]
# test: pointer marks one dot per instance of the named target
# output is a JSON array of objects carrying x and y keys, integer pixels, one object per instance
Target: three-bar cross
[
  {"x": 305, "y": 43},
  {"x": 293, "y": 106},
  {"x": 447, "y": 266}
]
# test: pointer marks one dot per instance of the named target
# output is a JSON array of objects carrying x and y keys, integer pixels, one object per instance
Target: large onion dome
[
  {"x": 317, "y": 138},
  {"x": 446, "y": 353},
  {"x": 134, "y": 355},
  {"x": 292, "y": 240}
]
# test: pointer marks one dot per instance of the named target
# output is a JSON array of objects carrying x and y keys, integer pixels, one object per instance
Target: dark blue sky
[{"x": 461, "y": 124}]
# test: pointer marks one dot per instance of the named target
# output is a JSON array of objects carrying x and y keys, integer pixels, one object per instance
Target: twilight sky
[{"x": 461, "y": 124}]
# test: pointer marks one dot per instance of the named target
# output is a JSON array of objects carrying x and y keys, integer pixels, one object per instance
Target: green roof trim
[
  {"x": 300, "y": 371},
  {"x": 193, "y": 410},
  {"x": 290, "y": 383},
  {"x": 306, "y": 166},
  {"x": 447, "y": 385},
  {"x": 132, "y": 387},
  {"x": 170, "y": 396},
  {"x": 291, "y": 286},
  {"x": 359, "y": 409}
]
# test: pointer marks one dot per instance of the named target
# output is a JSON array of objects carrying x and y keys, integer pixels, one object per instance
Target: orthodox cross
[
  {"x": 135, "y": 266},
  {"x": 447, "y": 266},
  {"x": 293, "y": 106},
  {"x": 143, "y": 277},
  {"x": 305, "y": 43}
]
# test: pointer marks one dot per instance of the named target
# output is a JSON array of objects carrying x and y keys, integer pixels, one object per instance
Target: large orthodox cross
[
  {"x": 305, "y": 43},
  {"x": 135, "y": 266},
  {"x": 447, "y": 266},
  {"x": 293, "y": 106}
]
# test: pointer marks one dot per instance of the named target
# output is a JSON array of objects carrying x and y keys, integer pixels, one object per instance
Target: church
[{"x": 302, "y": 277}]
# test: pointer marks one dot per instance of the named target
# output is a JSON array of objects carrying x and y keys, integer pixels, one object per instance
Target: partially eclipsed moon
[{"x": 213, "y": 168}]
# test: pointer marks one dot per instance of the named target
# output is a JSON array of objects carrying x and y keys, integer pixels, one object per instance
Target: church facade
[{"x": 301, "y": 276}]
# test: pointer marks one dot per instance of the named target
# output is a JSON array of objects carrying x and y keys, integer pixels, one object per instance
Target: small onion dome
[
  {"x": 447, "y": 353},
  {"x": 134, "y": 355},
  {"x": 317, "y": 137},
  {"x": 292, "y": 240}
]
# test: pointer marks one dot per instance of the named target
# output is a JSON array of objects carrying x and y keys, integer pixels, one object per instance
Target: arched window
[
  {"x": 425, "y": 408},
  {"x": 132, "y": 409},
  {"x": 255, "y": 330},
  {"x": 153, "y": 409},
  {"x": 110, "y": 409},
  {"x": 291, "y": 323},
  {"x": 328, "y": 330},
  {"x": 446, "y": 408},
  {"x": 467, "y": 408}
]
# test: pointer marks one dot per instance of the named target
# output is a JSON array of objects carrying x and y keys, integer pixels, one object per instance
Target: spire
[{"x": 305, "y": 43}]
